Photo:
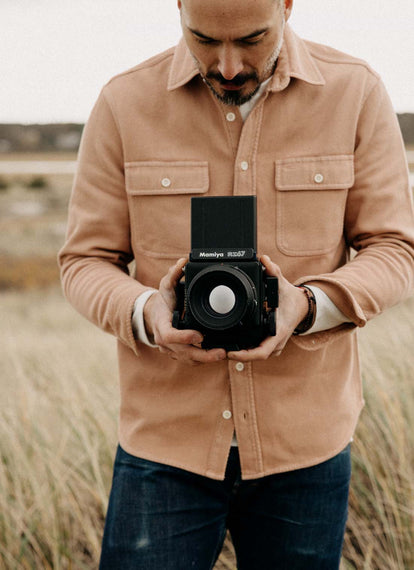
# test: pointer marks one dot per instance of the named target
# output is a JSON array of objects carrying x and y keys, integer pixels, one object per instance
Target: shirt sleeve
[
  {"x": 95, "y": 258},
  {"x": 378, "y": 225},
  {"x": 328, "y": 316},
  {"x": 138, "y": 323}
]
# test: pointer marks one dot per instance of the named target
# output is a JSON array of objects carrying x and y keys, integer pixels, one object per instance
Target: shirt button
[
  {"x": 165, "y": 182},
  {"x": 231, "y": 117},
  {"x": 227, "y": 414},
  {"x": 244, "y": 165},
  {"x": 318, "y": 178},
  {"x": 240, "y": 367}
]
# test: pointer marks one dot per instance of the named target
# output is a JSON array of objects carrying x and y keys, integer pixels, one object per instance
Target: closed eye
[
  {"x": 201, "y": 38},
  {"x": 252, "y": 41},
  {"x": 205, "y": 41},
  {"x": 254, "y": 38}
]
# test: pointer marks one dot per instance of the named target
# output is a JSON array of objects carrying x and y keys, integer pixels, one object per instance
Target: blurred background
[{"x": 58, "y": 374}]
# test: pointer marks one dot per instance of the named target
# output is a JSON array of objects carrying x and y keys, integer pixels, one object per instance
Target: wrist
[
  {"x": 308, "y": 320},
  {"x": 138, "y": 325},
  {"x": 146, "y": 313}
]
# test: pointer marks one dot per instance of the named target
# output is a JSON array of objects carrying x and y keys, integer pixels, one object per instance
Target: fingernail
[{"x": 197, "y": 339}]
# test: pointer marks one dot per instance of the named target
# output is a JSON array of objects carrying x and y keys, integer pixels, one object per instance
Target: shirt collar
[{"x": 294, "y": 60}]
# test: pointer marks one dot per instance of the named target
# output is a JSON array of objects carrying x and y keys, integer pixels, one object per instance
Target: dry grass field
[
  {"x": 59, "y": 404},
  {"x": 58, "y": 429}
]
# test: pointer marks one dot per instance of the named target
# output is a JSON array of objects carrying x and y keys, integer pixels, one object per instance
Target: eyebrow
[{"x": 248, "y": 37}]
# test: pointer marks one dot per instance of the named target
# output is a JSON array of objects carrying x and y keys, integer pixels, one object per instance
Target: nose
[{"x": 230, "y": 63}]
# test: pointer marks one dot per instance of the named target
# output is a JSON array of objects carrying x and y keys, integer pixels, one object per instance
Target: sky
[{"x": 55, "y": 55}]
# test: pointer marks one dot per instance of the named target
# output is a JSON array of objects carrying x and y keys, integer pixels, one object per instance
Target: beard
[
  {"x": 236, "y": 97},
  {"x": 239, "y": 97}
]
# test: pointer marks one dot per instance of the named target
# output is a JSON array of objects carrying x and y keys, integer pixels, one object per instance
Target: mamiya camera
[{"x": 225, "y": 293}]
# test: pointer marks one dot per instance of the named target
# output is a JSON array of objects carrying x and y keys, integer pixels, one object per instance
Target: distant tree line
[
  {"x": 53, "y": 137},
  {"x": 65, "y": 137},
  {"x": 406, "y": 121}
]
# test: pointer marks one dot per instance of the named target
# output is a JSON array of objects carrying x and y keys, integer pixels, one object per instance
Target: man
[{"x": 256, "y": 441}]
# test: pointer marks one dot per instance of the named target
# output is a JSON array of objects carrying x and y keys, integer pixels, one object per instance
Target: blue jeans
[{"x": 163, "y": 518}]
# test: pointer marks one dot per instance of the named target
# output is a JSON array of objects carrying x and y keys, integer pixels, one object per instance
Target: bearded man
[{"x": 256, "y": 441}]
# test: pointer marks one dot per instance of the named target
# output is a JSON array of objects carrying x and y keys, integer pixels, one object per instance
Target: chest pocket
[
  {"x": 310, "y": 203},
  {"x": 159, "y": 198}
]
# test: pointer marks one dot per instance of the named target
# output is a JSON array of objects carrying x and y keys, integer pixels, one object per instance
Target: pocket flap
[
  {"x": 157, "y": 178},
  {"x": 315, "y": 173}
]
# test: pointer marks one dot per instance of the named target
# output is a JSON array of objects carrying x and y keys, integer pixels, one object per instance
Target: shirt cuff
[
  {"x": 328, "y": 315},
  {"x": 138, "y": 324}
]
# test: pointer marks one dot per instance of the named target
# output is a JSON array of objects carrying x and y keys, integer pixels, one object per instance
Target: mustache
[{"x": 238, "y": 81}]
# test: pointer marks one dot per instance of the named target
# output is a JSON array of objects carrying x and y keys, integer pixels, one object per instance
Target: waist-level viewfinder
[{"x": 225, "y": 293}]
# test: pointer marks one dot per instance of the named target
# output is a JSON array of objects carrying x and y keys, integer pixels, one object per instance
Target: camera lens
[
  {"x": 222, "y": 299},
  {"x": 219, "y": 297}
]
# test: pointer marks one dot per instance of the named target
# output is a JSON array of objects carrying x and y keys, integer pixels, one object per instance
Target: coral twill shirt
[{"x": 323, "y": 153}]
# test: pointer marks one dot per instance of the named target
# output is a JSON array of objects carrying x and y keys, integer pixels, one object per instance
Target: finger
[
  {"x": 167, "y": 352},
  {"x": 165, "y": 335},
  {"x": 194, "y": 355},
  {"x": 271, "y": 268},
  {"x": 265, "y": 349},
  {"x": 177, "y": 270}
]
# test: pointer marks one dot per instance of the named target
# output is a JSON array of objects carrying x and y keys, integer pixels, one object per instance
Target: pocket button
[
  {"x": 318, "y": 178},
  {"x": 165, "y": 182}
]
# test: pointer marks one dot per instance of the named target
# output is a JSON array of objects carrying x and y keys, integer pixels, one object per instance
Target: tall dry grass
[
  {"x": 381, "y": 521},
  {"x": 58, "y": 433},
  {"x": 58, "y": 416}
]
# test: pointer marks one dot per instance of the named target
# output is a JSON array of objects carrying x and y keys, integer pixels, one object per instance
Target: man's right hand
[{"x": 182, "y": 345}]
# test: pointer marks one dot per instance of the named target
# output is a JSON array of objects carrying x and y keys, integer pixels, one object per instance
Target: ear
[{"x": 288, "y": 8}]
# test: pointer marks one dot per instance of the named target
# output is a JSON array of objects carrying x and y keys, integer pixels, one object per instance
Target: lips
[
  {"x": 231, "y": 86},
  {"x": 235, "y": 84}
]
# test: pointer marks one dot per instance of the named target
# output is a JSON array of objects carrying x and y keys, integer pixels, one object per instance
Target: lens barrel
[{"x": 207, "y": 280}]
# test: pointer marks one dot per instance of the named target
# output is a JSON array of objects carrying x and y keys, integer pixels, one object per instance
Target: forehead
[{"x": 230, "y": 18}]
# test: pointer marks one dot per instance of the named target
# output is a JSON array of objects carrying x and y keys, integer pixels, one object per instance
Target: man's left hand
[{"x": 293, "y": 307}]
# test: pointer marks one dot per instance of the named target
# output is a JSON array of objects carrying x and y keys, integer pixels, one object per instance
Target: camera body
[{"x": 225, "y": 293}]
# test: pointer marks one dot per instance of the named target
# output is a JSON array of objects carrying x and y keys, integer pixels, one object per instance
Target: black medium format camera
[{"x": 225, "y": 293}]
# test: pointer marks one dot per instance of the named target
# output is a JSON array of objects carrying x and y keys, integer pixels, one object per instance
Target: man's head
[{"x": 235, "y": 43}]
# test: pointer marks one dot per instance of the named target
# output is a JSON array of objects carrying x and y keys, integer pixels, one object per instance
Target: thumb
[
  {"x": 169, "y": 282},
  {"x": 272, "y": 268}
]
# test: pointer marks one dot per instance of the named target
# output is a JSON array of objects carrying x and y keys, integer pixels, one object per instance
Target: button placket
[
  {"x": 244, "y": 168},
  {"x": 244, "y": 412}
]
